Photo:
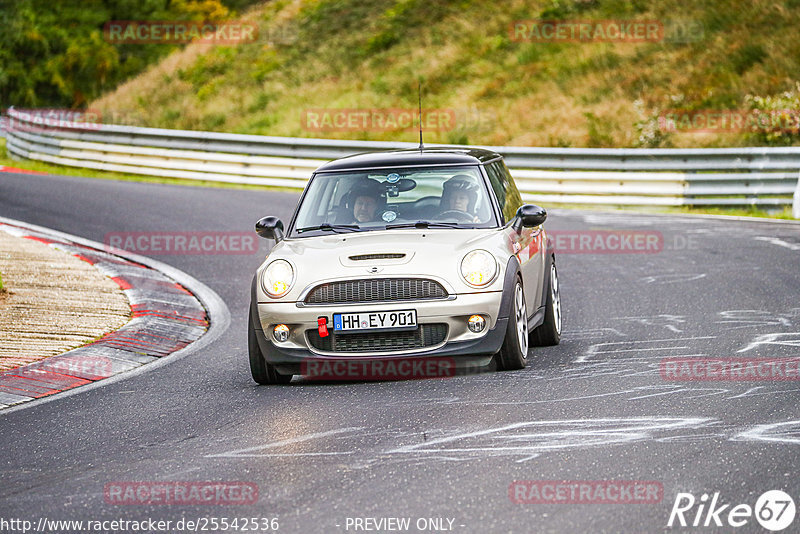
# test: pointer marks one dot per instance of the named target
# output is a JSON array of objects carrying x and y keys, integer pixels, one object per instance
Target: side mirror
[
  {"x": 270, "y": 228},
  {"x": 531, "y": 215}
]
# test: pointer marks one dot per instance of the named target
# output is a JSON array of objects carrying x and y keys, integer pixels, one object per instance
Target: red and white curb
[{"x": 167, "y": 317}]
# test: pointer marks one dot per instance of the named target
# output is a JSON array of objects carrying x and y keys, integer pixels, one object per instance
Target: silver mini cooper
[{"x": 394, "y": 260}]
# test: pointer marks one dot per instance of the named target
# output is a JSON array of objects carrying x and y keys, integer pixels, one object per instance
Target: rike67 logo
[{"x": 774, "y": 510}]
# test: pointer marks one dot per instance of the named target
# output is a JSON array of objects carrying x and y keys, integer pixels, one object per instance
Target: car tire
[
  {"x": 262, "y": 372},
  {"x": 513, "y": 354},
  {"x": 549, "y": 332}
]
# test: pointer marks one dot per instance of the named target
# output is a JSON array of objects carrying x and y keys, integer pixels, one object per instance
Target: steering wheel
[{"x": 458, "y": 215}]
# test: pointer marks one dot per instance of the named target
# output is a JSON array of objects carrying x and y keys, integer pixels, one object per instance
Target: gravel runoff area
[{"x": 54, "y": 301}]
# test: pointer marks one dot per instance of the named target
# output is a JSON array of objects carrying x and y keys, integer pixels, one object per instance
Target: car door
[{"x": 527, "y": 243}]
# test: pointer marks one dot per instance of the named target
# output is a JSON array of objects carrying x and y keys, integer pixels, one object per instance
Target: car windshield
[{"x": 440, "y": 197}]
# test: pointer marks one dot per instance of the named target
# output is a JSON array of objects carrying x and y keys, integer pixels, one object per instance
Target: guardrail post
[{"x": 796, "y": 200}]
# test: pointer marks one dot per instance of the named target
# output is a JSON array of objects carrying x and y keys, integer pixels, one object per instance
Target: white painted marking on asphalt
[
  {"x": 639, "y": 349},
  {"x": 423, "y": 401},
  {"x": 664, "y": 320},
  {"x": 554, "y": 435},
  {"x": 594, "y": 350},
  {"x": 786, "y": 339},
  {"x": 748, "y": 318},
  {"x": 690, "y": 438},
  {"x": 660, "y": 394},
  {"x": 280, "y": 454},
  {"x": 747, "y": 393},
  {"x": 565, "y": 399},
  {"x": 591, "y": 333},
  {"x": 671, "y": 278},
  {"x": 787, "y": 432},
  {"x": 712, "y": 392},
  {"x": 638, "y": 392},
  {"x": 654, "y": 366},
  {"x": 772, "y": 392},
  {"x": 246, "y": 453},
  {"x": 779, "y": 242}
]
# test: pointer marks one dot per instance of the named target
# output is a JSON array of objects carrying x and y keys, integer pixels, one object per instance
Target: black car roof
[{"x": 445, "y": 155}]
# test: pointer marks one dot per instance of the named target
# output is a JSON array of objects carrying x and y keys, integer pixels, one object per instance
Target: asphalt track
[{"x": 594, "y": 408}]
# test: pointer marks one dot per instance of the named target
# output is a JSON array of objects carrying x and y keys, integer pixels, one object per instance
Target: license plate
[{"x": 371, "y": 321}]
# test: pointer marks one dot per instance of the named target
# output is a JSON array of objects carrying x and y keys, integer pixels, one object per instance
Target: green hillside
[{"x": 351, "y": 54}]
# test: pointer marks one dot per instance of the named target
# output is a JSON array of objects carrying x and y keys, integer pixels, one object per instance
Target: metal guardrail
[{"x": 665, "y": 177}]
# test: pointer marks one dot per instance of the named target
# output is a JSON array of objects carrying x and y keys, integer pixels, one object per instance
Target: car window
[
  {"x": 371, "y": 200},
  {"x": 504, "y": 189}
]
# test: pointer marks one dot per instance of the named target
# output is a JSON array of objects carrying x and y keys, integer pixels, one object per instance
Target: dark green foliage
[
  {"x": 54, "y": 54},
  {"x": 747, "y": 56}
]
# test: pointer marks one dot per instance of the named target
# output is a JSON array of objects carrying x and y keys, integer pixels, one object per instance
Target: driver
[
  {"x": 365, "y": 198},
  {"x": 459, "y": 193}
]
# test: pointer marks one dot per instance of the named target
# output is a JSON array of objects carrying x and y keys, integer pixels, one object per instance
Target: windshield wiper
[
  {"x": 331, "y": 227},
  {"x": 423, "y": 224}
]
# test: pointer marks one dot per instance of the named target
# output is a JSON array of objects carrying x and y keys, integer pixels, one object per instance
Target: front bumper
[
  {"x": 465, "y": 354},
  {"x": 469, "y": 349}
]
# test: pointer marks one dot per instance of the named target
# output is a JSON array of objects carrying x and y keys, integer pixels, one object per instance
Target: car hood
[{"x": 431, "y": 253}]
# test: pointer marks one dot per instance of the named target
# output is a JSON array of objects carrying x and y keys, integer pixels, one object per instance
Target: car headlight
[
  {"x": 277, "y": 278},
  {"x": 478, "y": 268}
]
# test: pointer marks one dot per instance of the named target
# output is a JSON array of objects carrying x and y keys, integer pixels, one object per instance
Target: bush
[{"x": 776, "y": 118}]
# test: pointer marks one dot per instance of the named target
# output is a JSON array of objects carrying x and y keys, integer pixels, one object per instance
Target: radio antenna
[{"x": 419, "y": 91}]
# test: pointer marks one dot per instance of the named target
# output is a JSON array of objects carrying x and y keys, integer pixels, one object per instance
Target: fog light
[
  {"x": 281, "y": 332},
  {"x": 476, "y": 323}
]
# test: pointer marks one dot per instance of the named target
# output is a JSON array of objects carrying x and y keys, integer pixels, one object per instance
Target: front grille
[
  {"x": 382, "y": 256},
  {"x": 426, "y": 335},
  {"x": 375, "y": 290}
]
